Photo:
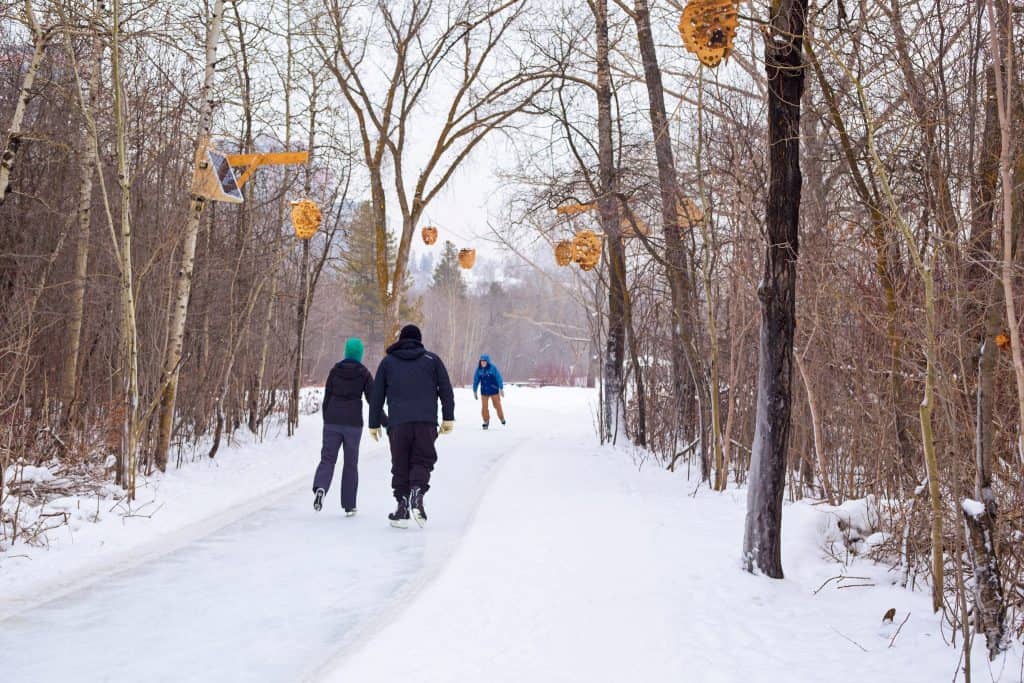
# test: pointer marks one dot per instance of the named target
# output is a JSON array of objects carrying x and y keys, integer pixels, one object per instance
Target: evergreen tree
[
  {"x": 359, "y": 275},
  {"x": 447, "y": 280}
]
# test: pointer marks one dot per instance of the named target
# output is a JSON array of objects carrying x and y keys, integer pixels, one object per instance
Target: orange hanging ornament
[
  {"x": 467, "y": 257},
  {"x": 306, "y": 218},
  {"x": 708, "y": 28},
  {"x": 563, "y": 253},
  {"x": 586, "y": 249}
]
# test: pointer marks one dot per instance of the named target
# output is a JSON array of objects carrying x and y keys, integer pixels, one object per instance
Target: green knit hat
[{"x": 354, "y": 349}]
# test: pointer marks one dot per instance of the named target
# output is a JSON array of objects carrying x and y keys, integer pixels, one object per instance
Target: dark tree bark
[
  {"x": 784, "y": 64},
  {"x": 988, "y": 596},
  {"x": 684, "y": 359},
  {"x": 614, "y": 386}
]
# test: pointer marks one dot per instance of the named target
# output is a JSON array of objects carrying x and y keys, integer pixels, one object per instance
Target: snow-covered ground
[{"x": 546, "y": 558}]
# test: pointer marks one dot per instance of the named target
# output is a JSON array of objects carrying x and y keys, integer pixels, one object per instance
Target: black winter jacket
[
  {"x": 412, "y": 380},
  {"x": 347, "y": 384}
]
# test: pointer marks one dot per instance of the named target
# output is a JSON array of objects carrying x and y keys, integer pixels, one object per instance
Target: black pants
[
  {"x": 337, "y": 437},
  {"x": 412, "y": 456}
]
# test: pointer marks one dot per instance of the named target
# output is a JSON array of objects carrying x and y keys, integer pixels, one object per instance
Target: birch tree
[
  {"x": 183, "y": 281},
  {"x": 8, "y": 158}
]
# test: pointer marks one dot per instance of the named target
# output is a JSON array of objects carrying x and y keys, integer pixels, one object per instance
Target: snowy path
[
  {"x": 268, "y": 597},
  {"x": 547, "y": 559}
]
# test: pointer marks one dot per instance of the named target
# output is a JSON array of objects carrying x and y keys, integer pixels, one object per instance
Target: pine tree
[
  {"x": 360, "y": 277},
  {"x": 447, "y": 281}
]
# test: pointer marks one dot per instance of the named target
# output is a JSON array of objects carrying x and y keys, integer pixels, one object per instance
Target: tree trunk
[
  {"x": 816, "y": 431},
  {"x": 183, "y": 283},
  {"x": 305, "y": 288},
  {"x": 988, "y": 597},
  {"x": 614, "y": 388},
  {"x": 10, "y": 153},
  {"x": 301, "y": 315},
  {"x": 255, "y": 409},
  {"x": 784, "y": 65},
  {"x": 684, "y": 360},
  {"x": 129, "y": 333},
  {"x": 86, "y": 167}
]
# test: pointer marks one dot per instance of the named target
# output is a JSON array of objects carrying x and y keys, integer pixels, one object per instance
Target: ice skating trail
[{"x": 546, "y": 558}]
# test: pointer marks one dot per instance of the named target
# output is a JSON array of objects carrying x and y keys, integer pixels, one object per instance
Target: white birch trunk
[
  {"x": 10, "y": 153},
  {"x": 183, "y": 281}
]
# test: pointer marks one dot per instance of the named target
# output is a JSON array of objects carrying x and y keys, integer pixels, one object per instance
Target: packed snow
[
  {"x": 546, "y": 558},
  {"x": 973, "y": 508}
]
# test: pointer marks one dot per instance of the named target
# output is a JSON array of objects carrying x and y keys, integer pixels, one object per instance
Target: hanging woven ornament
[
  {"x": 708, "y": 28},
  {"x": 467, "y": 257},
  {"x": 632, "y": 226},
  {"x": 574, "y": 209},
  {"x": 689, "y": 213},
  {"x": 586, "y": 249},
  {"x": 563, "y": 253},
  {"x": 306, "y": 218},
  {"x": 429, "y": 234},
  {"x": 1003, "y": 340}
]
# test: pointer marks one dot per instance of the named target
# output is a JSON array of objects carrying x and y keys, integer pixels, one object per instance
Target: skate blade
[
  {"x": 420, "y": 519},
  {"x": 400, "y": 523},
  {"x": 350, "y": 513}
]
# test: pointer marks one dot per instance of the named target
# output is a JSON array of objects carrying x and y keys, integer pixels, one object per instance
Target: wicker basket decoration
[
  {"x": 563, "y": 253},
  {"x": 306, "y": 218},
  {"x": 429, "y": 234},
  {"x": 586, "y": 249},
  {"x": 574, "y": 209},
  {"x": 633, "y": 227},
  {"x": 689, "y": 213},
  {"x": 467, "y": 257},
  {"x": 708, "y": 28}
]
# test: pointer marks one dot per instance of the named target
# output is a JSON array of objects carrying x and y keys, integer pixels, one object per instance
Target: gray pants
[{"x": 346, "y": 438}]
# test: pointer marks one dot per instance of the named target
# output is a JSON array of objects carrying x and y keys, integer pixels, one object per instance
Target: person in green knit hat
[{"x": 348, "y": 384}]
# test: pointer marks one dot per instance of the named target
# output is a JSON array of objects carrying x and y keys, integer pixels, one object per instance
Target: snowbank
[
  {"x": 92, "y": 535},
  {"x": 579, "y": 567}
]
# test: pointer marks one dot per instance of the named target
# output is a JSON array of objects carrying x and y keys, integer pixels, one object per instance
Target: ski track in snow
[
  {"x": 546, "y": 558},
  {"x": 269, "y": 596}
]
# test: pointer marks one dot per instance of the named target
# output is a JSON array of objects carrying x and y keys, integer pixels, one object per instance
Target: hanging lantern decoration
[
  {"x": 574, "y": 209},
  {"x": 1003, "y": 340},
  {"x": 586, "y": 249},
  {"x": 467, "y": 257},
  {"x": 689, "y": 213},
  {"x": 429, "y": 234},
  {"x": 708, "y": 28},
  {"x": 563, "y": 253},
  {"x": 306, "y": 218},
  {"x": 632, "y": 226}
]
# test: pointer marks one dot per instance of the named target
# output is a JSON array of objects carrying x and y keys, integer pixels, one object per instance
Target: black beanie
[{"x": 411, "y": 332}]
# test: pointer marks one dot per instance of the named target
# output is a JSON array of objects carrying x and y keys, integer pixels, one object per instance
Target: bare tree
[
  {"x": 784, "y": 65},
  {"x": 183, "y": 284},
  {"x": 466, "y": 40}
]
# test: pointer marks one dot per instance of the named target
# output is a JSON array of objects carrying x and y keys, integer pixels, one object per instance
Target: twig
[
  {"x": 850, "y": 639},
  {"x": 856, "y": 585},
  {"x": 893, "y": 639},
  {"x": 827, "y": 581}
]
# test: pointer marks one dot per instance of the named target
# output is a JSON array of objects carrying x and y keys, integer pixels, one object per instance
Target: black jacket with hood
[
  {"x": 412, "y": 380},
  {"x": 347, "y": 384}
]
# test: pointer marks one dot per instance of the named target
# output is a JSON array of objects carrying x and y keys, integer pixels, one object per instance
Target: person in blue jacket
[{"x": 492, "y": 388}]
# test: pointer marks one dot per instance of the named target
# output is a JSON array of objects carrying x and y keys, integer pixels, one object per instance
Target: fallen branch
[
  {"x": 893, "y": 639},
  {"x": 850, "y": 639}
]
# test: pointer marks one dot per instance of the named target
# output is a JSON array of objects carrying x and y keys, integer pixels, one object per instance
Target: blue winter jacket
[{"x": 488, "y": 379}]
